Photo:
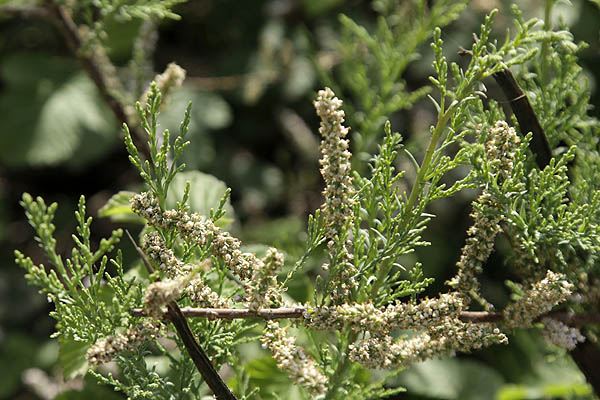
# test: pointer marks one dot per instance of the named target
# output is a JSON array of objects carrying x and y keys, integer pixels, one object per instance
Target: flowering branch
[{"x": 569, "y": 318}]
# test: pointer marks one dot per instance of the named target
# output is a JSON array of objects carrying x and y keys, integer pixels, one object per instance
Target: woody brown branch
[
  {"x": 75, "y": 42},
  {"x": 61, "y": 17},
  {"x": 528, "y": 121},
  {"x": 195, "y": 351}
]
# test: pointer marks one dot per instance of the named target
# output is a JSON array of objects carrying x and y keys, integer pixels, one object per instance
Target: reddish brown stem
[
  {"x": 71, "y": 33},
  {"x": 25, "y": 12},
  {"x": 572, "y": 319},
  {"x": 235, "y": 313}
]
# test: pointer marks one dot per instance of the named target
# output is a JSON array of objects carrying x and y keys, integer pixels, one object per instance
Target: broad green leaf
[
  {"x": 540, "y": 392},
  {"x": 71, "y": 356},
  {"x": 525, "y": 361},
  {"x": 273, "y": 382},
  {"x": 452, "y": 379},
  {"x": 51, "y": 113},
  {"x": 117, "y": 208},
  {"x": 206, "y": 193}
]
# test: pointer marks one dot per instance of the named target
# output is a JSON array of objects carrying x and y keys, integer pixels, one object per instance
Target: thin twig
[
  {"x": 75, "y": 42},
  {"x": 106, "y": 83},
  {"x": 140, "y": 253},
  {"x": 569, "y": 318},
  {"x": 216, "y": 82},
  {"x": 26, "y": 12},
  {"x": 197, "y": 354},
  {"x": 235, "y": 313}
]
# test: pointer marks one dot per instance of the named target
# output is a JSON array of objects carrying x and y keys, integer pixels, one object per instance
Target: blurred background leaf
[{"x": 55, "y": 113}]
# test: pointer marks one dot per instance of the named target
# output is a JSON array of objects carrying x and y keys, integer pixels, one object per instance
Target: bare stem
[
  {"x": 25, "y": 12},
  {"x": 71, "y": 33},
  {"x": 235, "y": 313}
]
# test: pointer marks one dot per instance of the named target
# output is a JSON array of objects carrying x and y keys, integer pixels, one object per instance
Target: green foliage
[
  {"x": 159, "y": 171},
  {"x": 373, "y": 63},
  {"x": 129, "y": 9},
  {"x": 84, "y": 312},
  {"x": 97, "y": 14},
  {"x": 380, "y": 235}
]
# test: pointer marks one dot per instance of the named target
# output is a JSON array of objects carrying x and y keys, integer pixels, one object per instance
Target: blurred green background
[{"x": 252, "y": 70}]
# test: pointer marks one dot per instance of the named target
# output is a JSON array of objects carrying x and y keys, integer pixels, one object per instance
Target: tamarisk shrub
[{"x": 197, "y": 296}]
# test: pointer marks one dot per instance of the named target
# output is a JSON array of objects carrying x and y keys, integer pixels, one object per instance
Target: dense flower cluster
[
  {"x": 478, "y": 247},
  {"x": 383, "y": 320},
  {"x": 335, "y": 161},
  {"x": 500, "y": 149},
  {"x": 538, "y": 300},
  {"x": 172, "y": 77},
  {"x": 200, "y": 294},
  {"x": 561, "y": 335},
  {"x": 260, "y": 276},
  {"x": 197, "y": 229},
  {"x": 263, "y": 289},
  {"x": 449, "y": 336},
  {"x": 158, "y": 294},
  {"x": 106, "y": 348},
  {"x": 336, "y": 170},
  {"x": 292, "y": 358},
  {"x": 155, "y": 247}
]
